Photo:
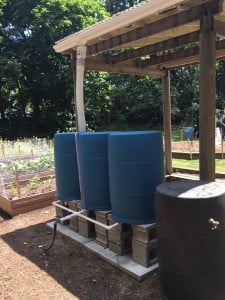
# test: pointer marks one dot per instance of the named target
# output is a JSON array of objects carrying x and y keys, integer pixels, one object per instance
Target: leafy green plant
[
  {"x": 13, "y": 190},
  {"x": 117, "y": 242},
  {"x": 33, "y": 183}
]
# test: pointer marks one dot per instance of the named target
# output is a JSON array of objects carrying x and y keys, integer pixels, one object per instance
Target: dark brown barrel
[{"x": 190, "y": 222}]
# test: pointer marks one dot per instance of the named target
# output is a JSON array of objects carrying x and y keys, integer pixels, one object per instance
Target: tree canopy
[{"x": 36, "y": 83}]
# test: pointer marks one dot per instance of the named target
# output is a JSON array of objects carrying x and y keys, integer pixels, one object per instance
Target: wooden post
[
  {"x": 3, "y": 150},
  {"x": 207, "y": 103},
  {"x": 17, "y": 182},
  {"x": 167, "y": 122},
  {"x": 79, "y": 87}
]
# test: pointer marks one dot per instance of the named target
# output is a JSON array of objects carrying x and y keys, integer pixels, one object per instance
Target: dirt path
[{"x": 68, "y": 271}]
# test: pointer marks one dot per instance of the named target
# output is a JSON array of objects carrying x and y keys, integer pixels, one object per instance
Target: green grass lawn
[{"x": 194, "y": 164}]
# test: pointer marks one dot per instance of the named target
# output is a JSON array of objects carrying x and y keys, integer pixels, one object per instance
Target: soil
[
  {"x": 67, "y": 271},
  {"x": 193, "y": 146}
]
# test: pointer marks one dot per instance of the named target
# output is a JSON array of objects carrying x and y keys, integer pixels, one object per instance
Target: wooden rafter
[
  {"x": 158, "y": 47},
  {"x": 183, "y": 57},
  {"x": 220, "y": 27},
  {"x": 100, "y": 64},
  {"x": 173, "y": 21}
]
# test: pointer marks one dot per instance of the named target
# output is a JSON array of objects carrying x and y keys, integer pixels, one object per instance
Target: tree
[
  {"x": 40, "y": 93},
  {"x": 114, "y": 6}
]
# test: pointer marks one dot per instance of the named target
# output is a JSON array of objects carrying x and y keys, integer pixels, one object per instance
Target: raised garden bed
[
  {"x": 26, "y": 185},
  {"x": 21, "y": 205}
]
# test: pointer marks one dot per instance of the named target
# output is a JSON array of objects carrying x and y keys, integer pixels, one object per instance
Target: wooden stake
[
  {"x": 221, "y": 146},
  {"x": 190, "y": 148},
  {"x": 32, "y": 153},
  {"x": 17, "y": 181},
  {"x": 19, "y": 151},
  {"x": 3, "y": 150}
]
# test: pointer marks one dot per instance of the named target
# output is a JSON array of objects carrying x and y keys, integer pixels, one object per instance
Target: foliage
[
  {"x": 24, "y": 166},
  {"x": 114, "y": 6},
  {"x": 36, "y": 83}
]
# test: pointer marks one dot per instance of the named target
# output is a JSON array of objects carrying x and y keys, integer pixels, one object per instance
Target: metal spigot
[{"x": 214, "y": 223}]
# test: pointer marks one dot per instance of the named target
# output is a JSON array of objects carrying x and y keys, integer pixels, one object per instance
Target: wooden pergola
[{"x": 152, "y": 36}]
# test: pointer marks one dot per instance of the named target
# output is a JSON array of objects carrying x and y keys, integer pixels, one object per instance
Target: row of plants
[
  {"x": 22, "y": 178},
  {"x": 25, "y": 147}
]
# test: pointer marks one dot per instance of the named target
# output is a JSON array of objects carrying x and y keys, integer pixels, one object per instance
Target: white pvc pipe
[{"x": 80, "y": 214}]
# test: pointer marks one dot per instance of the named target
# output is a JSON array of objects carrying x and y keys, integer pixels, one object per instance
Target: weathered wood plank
[
  {"x": 207, "y": 102},
  {"x": 168, "y": 25},
  {"x": 100, "y": 64}
]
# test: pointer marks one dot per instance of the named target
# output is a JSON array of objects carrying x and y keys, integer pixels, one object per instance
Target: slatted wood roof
[{"x": 149, "y": 37}]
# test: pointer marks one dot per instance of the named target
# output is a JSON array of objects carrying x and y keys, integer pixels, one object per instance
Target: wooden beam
[
  {"x": 79, "y": 88},
  {"x": 207, "y": 102},
  {"x": 170, "y": 22},
  {"x": 180, "y": 58},
  {"x": 167, "y": 122},
  {"x": 219, "y": 27},
  {"x": 100, "y": 64},
  {"x": 157, "y": 47}
]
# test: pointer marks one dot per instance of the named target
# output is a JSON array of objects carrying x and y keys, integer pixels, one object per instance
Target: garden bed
[
  {"x": 27, "y": 184},
  {"x": 21, "y": 205}
]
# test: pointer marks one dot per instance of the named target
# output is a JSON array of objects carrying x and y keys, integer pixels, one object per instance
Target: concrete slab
[{"x": 124, "y": 262}]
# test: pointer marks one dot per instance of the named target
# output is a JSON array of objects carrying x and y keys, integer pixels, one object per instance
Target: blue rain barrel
[
  {"x": 92, "y": 150},
  {"x": 190, "y": 228},
  {"x": 188, "y": 133},
  {"x": 136, "y": 167},
  {"x": 66, "y": 168}
]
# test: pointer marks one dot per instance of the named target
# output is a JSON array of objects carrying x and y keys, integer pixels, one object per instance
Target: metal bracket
[{"x": 214, "y": 223}]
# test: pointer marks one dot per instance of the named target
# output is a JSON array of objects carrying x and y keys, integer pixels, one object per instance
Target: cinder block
[
  {"x": 144, "y": 233},
  {"x": 120, "y": 237},
  {"x": 60, "y": 212},
  {"x": 144, "y": 254},
  {"x": 74, "y": 224},
  {"x": 123, "y": 245},
  {"x": 102, "y": 216},
  {"x": 102, "y": 233},
  {"x": 74, "y": 205},
  {"x": 121, "y": 227},
  {"x": 86, "y": 228},
  {"x": 102, "y": 238}
]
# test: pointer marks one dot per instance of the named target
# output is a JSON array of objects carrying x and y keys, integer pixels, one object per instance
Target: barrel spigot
[{"x": 214, "y": 223}]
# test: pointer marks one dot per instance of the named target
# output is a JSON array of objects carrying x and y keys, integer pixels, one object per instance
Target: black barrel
[
  {"x": 66, "y": 168},
  {"x": 190, "y": 223},
  {"x": 136, "y": 167},
  {"x": 92, "y": 149}
]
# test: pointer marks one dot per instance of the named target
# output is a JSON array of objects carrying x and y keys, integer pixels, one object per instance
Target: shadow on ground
[{"x": 79, "y": 271}]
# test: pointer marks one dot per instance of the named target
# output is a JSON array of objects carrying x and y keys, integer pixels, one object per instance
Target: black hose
[{"x": 53, "y": 237}]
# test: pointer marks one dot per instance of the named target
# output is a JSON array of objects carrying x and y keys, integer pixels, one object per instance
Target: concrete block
[
  {"x": 121, "y": 246},
  {"x": 144, "y": 233},
  {"x": 121, "y": 227},
  {"x": 144, "y": 254},
  {"x": 74, "y": 205},
  {"x": 102, "y": 238},
  {"x": 74, "y": 223},
  {"x": 86, "y": 228},
  {"x": 102, "y": 216}
]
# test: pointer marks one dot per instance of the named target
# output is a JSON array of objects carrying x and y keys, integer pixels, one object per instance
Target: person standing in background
[{"x": 223, "y": 125}]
